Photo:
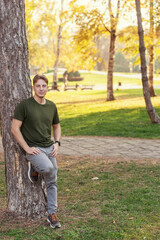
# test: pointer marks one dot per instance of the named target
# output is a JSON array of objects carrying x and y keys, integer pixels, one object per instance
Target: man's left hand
[{"x": 55, "y": 150}]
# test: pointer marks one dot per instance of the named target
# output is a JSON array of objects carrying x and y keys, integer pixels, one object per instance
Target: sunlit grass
[
  {"x": 101, "y": 79},
  {"x": 98, "y": 79},
  {"x": 92, "y": 95},
  {"x": 123, "y": 203},
  {"x": 88, "y": 113}
]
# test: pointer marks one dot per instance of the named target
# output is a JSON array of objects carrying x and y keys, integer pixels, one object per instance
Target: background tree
[
  {"x": 41, "y": 30},
  {"x": 150, "y": 109},
  {"x": 74, "y": 59},
  {"x": 129, "y": 37},
  {"x": 151, "y": 49},
  {"x": 94, "y": 23},
  {"x": 59, "y": 39},
  {"x": 113, "y": 29},
  {"x": 153, "y": 41},
  {"x": 23, "y": 198}
]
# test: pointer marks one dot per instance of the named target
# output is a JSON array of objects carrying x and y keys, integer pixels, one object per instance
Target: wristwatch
[{"x": 59, "y": 143}]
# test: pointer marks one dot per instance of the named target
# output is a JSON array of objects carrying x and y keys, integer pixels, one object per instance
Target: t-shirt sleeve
[
  {"x": 19, "y": 112},
  {"x": 56, "y": 117}
]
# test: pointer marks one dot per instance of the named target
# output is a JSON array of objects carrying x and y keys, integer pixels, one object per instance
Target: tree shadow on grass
[{"x": 132, "y": 122}]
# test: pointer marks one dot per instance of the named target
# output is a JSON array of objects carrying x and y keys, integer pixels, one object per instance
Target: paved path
[{"x": 109, "y": 147}]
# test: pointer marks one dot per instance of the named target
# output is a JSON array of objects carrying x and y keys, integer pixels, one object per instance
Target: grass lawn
[
  {"x": 88, "y": 113},
  {"x": 101, "y": 79},
  {"x": 123, "y": 203},
  {"x": 93, "y": 79}
]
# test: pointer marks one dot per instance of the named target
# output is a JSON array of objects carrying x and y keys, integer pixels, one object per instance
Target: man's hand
[
  {"x": 55, "y": 150},
  {"x": 33, "y": 150},
  {"x": 57, "y": 136}
]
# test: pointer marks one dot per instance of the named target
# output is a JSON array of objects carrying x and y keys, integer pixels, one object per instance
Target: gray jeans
[{"x": 45, "y": 164}]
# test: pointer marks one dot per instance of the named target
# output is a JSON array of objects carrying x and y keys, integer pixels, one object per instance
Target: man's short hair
[{"x": 37, "y": 77}]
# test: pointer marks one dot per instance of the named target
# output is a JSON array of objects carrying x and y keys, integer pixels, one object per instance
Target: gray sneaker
[
  {"x": 32, "y": 174},
  {"x": 54, "y": 221}
]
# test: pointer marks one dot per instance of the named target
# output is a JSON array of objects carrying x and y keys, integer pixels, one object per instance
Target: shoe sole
[
  {"x": 56, "y": 226},
  {"x": 29, "y": 169}
]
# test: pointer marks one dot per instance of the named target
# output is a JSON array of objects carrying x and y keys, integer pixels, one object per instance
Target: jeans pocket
[{"x": 50, "y": 149}]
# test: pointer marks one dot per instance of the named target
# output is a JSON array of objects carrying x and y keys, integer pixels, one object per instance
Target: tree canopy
[{"x": 85, "y": 24}]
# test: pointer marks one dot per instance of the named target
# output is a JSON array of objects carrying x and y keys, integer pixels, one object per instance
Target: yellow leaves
[
  {"x": 72, "y": 3},
  {"x": 154, "y": 163},
  {"x": 67, "y": 190},
  {"x": 41, "y": 30},
  {"x": 130, "y": 218}
]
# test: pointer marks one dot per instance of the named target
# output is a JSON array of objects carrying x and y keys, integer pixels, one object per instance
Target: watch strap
[{"x": 59, "y": 143}]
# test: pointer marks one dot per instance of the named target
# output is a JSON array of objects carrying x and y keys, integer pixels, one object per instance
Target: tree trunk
[
  {"x": 151, "y": 71},
  {"x": 151, "y": 51},
  {"x": 23, "y": 198},
  {"x": 150, "y": 109},
  {"x": 57, "y": 56},
  {"x": 1, "y": 101},
  {"x": 113, "y": 23},
  {"x": 59, "y": 39},
  {"x": 110, "y": 95}
]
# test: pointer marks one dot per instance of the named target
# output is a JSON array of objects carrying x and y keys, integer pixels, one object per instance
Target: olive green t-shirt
[{"x": 37, "y": 121}]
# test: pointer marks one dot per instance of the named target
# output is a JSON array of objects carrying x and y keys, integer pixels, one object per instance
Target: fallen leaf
[
  {"x": 59, "y": 237},
  {"x": 95, "y": 178},
  {"x": 67, "y": 190}
]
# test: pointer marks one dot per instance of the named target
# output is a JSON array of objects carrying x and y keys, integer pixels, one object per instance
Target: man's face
[{"x": 40, "y": 88}]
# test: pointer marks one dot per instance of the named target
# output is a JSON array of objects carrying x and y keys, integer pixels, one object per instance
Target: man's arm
[
  {"x": 16, "y": 126},
  {"x": 57, "y": 136}
]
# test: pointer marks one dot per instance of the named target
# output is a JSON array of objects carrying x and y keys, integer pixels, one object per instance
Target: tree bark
[
  {"x": 151, "y": 71},
  {"x": 1, "y": 101},
  {"x": 59, "y": 39},
  {"x": 110, "y": 95},
  {"x": 57, "y": 56},
  {"x": 151, "y": 51},
  {"x": 23, "y": 198},
  {"x": 150, "y": 109},
  {"x": 113, "y": 23}
]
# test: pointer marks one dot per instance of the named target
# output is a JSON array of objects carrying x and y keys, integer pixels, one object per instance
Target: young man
[{"x": 31, "y": 127}]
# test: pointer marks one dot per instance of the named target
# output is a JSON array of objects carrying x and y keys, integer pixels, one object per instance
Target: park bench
[
  {"x": 71, "y": 79},
  {"x": 81, "y": 87},
  {"x": 49, "y": 88},
  {"x": 86, "y": 87},
  {"x": 55, "y": 88},
  {"x": 75, "y": 79},
  {"x": 71, "y": 87}
]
